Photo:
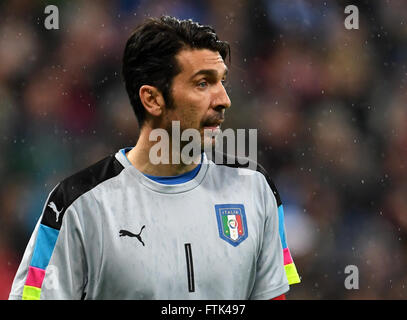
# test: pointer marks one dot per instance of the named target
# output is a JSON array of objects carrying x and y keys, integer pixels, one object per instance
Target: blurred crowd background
[{"x": 330, "y": 106}]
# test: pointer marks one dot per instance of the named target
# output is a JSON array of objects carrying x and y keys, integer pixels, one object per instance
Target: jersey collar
[{"x": 161, "y": 187}]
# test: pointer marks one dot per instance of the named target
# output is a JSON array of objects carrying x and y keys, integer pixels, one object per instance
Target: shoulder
[
  {"x": 74, "y": 186},
  {"x": 248, "y": 165}
]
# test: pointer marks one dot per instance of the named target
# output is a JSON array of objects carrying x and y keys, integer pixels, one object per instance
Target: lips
[
  {"x": 212, "y": 128},
  {"x": 213, "y": 123}
]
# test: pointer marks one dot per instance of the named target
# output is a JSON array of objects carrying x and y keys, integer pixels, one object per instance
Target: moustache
[{"x": 213, "y": 121}]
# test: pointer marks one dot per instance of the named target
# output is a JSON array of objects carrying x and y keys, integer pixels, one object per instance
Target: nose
[{"x": 221, "y": 97}]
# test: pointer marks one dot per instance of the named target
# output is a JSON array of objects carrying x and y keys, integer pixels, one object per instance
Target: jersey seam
[
  {"x": 90, "y": 191},
  {"x": 76, "y": 217},
  {"x": 96, "y": 279}
]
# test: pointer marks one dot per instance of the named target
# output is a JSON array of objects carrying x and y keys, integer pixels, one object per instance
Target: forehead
[{"x": 193, "y": 60}]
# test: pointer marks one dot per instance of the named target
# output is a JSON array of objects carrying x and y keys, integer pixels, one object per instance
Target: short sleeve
[
  {"x": 289, "y": 266},
  {"x": 270, "y": 279},
  {"x": 275, "y": 267},
  {"x": 53, "y": 265}
]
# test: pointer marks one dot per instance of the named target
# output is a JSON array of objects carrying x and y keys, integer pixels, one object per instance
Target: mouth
[{"x": 213, "y": 125}]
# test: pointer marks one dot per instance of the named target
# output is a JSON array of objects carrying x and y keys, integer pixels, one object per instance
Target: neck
[{"x": 139, "y": 156}]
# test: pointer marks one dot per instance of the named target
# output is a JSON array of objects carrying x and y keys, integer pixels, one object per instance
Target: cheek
[
  {"x": 192, "y": 112},
  {"x": 190, "y": 106},
  {"x": 191, "y": 117}
]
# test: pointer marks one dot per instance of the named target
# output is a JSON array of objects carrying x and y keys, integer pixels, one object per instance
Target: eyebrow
[{"x": 209, "y": 72}]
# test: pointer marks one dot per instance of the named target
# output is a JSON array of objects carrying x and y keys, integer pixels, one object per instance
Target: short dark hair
[{"x": 149, "y": 55}]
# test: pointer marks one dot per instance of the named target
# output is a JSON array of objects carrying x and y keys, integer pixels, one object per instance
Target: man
[{"x": 126, "y": 228}]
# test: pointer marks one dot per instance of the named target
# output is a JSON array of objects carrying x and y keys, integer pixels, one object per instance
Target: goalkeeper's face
[{"x": 199, "y": 98}]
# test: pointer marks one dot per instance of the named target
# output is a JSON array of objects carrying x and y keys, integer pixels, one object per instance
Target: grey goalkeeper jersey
[{"x": 110, "y": 232}]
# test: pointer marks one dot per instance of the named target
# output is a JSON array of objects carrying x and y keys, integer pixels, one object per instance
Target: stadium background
[{"x": 329, "y": 105}]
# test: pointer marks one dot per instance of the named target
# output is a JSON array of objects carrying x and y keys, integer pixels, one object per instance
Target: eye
[{"x": 203, "y": 84}]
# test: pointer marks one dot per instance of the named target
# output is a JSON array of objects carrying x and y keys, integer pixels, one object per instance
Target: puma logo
[
  {"x": 53, "y": 206},
  {"x": 123, "y": 233}
]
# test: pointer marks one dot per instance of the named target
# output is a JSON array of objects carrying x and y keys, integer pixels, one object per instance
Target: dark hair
[{"x": 149, "y": 55}]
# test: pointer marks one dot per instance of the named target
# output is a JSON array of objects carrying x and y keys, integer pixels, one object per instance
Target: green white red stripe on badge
[{"x": 232, "y": 226}]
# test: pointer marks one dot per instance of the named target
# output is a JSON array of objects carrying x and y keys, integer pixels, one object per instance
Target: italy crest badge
[{"x": 232, "y": 223}]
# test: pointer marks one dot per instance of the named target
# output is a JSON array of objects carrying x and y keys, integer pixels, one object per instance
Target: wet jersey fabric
[{"x": 111, "y": 232}]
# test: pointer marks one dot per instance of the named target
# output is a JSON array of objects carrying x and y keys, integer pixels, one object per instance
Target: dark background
[{"x": 330, "y": 106}]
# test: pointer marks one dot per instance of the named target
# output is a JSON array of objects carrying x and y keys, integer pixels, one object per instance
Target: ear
[{"x": 152, "y": 100}]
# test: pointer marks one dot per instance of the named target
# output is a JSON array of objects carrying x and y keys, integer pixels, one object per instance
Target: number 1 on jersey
[{"x": 190, "y": 268}]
